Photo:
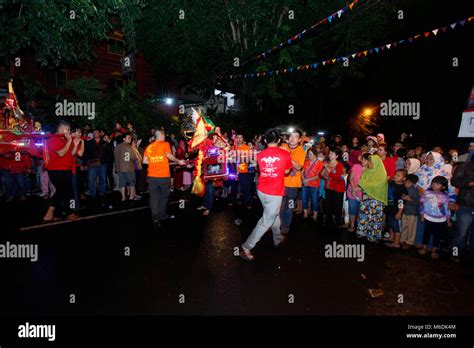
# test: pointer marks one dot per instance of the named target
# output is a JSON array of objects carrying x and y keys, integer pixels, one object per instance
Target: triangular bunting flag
[
  {"x": 339, "y": 13},
  {"x": 377, "y": 49},
  {"x": 338, "y": 59},
  {"x": 365, "y": 53},
  {"x": 410, "y": 39},
  {"x": 401, "y": 41},
  {"x": 388, "y": 46},
  {"x": 470, "y": 18},
  {"x": 462, "y": 22},
  {"x": 435, "y": 32},
  {"x": 359, "y": 54},
  {"x": 353, "y": 56},
  {"x": 427, "y": 34},
  {"x": 324, "y": 63},
  {"x": 395, "y": 44},
  {"x": 351, "y": 5},
  {"x": 453, "y": 25},
  {"x": 416, "y": 36},
  {"x": 330, "y": 19},
  {"x": 382, "y": 48},
  {"x": 443, "y": 29},
  {"x": 334, "y": 60}
]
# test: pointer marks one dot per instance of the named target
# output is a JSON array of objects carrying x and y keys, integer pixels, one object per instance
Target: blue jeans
[
  {"x": 209, "y": 195},
  {"x": 15, "y": 184},
  {"x": 287, "y": 206},
  {"x": 245, "y": 187},
  {"x": 354, "y": 206},
  {"x": 234, "y": 187},
  {"x": 465, "y": 230},
  {"x": 310, "y": 193},
  {"x": 101, "y": 173},
  {"x": 420, "y": 230}
]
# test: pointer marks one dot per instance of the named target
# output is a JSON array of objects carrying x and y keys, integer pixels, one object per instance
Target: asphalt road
[{"x": 189, "y": 267}]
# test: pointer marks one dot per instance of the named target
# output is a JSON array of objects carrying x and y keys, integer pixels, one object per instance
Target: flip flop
[{"x": 52, "y": 219}]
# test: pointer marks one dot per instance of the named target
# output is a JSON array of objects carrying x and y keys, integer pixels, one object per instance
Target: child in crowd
[
  {"x": 434, "y": 211},
  {"x": 411, "y": 212},
  {"x": 394, "y": 210},
  {"x": 345, "y": 204}
]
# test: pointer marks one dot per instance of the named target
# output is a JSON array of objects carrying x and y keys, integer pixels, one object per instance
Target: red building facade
[{"x": 106, "y": 68}]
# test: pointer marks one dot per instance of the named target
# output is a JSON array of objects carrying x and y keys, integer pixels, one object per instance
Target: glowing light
[
  {"x": 320, "y": 133},
  {"x": 169, "y": 101},
  {"x": 291, "y": 130},
  {"x": 367, "y": 112}
]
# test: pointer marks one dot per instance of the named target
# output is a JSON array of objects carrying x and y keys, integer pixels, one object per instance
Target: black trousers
[
  {"x": 334, "y": 202},
  {"x": 435, "y": 229},
  {"x": 62, "y": 181}
]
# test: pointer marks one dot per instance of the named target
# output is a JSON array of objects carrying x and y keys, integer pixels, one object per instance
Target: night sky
[{"x": 418, "y": 72}]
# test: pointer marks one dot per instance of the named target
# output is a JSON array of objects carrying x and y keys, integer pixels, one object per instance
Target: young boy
[
  {"x": 394, "y": 210},
  {"x": 411, "y": 212}
]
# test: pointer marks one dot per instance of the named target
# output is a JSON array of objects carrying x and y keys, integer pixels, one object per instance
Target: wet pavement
[{"x": 189, "y": 267}]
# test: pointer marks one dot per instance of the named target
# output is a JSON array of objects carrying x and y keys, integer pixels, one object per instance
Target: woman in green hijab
[{"x": 373, "y": 183}]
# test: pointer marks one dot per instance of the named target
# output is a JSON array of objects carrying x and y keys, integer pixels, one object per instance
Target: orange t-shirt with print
[
  {"x": 298, "y": 155},
  {"x": 244, "y": 153},
  {"x": 158, "y": 165}
]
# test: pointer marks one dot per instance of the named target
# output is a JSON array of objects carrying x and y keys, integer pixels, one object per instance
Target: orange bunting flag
[{"x": 365, "y": 53}]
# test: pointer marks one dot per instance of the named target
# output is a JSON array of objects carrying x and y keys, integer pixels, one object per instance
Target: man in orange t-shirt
[
  {"x": 242, "y": 158},
  {"x": 293, "y": 181},
  {"x": 157, "y": 155}
]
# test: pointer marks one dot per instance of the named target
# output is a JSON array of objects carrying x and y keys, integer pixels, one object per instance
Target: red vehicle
[{"x": 18, "y": 140}]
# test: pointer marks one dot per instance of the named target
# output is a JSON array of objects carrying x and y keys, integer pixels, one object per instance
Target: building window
[
  {"x": 56, "y": 78},
  {"x": 116, "y": 46},
  {"x": 115, "y": 83}
]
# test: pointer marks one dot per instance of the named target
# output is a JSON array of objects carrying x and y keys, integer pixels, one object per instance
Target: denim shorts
[
  {"x": 126, "y": 179},
  {"x": 354, "y": 206},
  {"x": 393, "y": 223}
]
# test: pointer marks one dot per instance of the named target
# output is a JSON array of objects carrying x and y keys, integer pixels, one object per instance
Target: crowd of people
[{"x": 404, "y": 195}]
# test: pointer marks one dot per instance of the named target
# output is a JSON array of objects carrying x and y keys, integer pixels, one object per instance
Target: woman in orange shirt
[{"x": 311, "y": 182}]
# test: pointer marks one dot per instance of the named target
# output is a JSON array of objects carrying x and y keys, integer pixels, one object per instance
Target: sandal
[
  {"x": 72, "y": 217},
  {"x": 245, "y": 254},
  {"x": 54, "y": 218}
]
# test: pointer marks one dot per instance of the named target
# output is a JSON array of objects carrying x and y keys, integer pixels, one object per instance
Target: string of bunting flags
[
  {"x": 356, "y": 55},
  {"x": 329, "y": 19}
]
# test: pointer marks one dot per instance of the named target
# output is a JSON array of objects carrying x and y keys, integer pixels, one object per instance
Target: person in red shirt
[
  {"x": 273, "y": 163},
  {"x": 59, "y": 162},
  {"x": 335, "y": 186},
  {"x": 388, "y": 162}
]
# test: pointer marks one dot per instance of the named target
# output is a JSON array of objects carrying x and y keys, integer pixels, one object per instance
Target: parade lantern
[{"x": 210, "y": 163}]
